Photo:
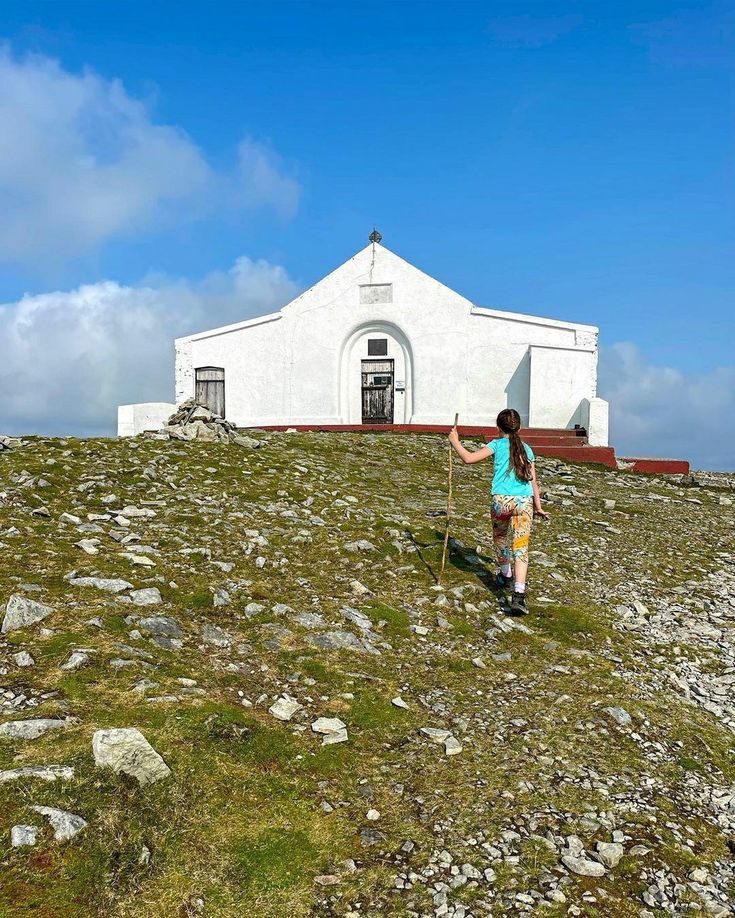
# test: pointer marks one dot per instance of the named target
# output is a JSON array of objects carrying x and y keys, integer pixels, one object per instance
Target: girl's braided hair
[{"x": 509, "y": 421}]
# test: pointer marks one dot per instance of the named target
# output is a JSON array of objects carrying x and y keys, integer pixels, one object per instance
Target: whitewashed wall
[
  {"x": 302, "y": 364},
  {"x": 134, "y": 419}
]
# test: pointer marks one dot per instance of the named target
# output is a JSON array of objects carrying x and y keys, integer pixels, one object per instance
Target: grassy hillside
[{"x": 308, "y": 568}]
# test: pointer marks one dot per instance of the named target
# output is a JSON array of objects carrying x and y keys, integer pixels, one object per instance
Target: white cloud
[
  {"x": 69, "y": 358},
  {"x": 260, "y": 181},
  {"x": 661, "y": 411},
  {"x": 82, "y": 161}
]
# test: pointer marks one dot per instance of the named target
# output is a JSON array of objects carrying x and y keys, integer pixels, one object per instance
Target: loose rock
[{"x": 126, "y": 751}]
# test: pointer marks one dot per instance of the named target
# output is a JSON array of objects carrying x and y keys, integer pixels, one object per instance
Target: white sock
[
  {"x": 519, "y": 587},
  {"x": 505, "y": 569}
]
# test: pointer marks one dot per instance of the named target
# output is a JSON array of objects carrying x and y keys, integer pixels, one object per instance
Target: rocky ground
[{"x": 230, "y": 685}]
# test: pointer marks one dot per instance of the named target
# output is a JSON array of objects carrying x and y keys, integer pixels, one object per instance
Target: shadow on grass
[{"x": 462, "y": 558}]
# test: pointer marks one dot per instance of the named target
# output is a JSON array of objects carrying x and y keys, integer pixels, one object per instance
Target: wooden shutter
[{"x": 210, "y": 389}]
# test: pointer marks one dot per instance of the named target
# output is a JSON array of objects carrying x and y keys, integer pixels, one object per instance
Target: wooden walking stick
[{"x": 449, "y": 505}]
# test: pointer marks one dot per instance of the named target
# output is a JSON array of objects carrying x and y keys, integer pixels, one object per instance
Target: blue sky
[{"x": 569, "y": 159}]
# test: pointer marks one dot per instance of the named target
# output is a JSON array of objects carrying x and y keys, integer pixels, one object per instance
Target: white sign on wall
[{"x": 376, "y": 293}]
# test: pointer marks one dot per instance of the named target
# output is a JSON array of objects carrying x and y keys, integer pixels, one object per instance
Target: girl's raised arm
[{"x": 467, "y": 455}]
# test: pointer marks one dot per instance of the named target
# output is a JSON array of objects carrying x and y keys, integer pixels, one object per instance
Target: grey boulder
[
  {"x": 109, "y": 585},
  {"x": 609, "y": 854},
  {"x": 620, "y": 716},
  {"x": 213, "y": 634},
  {"x": 20, "y": 612},
  {"x": 161, "y": 626},
  {"x": 65, "y": 825},
  {"x": 126, "y": 751},
  {"x": 30, "y": 729},
  {"x": 42, "y": 772},
  {"x": 342, "y": 640},
  {"x": 22, "y": 836},
  {"x": 148, "y": 596},
  {"x": 582, "y": 866}
]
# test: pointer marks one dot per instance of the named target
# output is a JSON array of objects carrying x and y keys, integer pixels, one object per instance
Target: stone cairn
[
  {"x": 8, "y": 443},
  {"x": 192, "y": 421}
]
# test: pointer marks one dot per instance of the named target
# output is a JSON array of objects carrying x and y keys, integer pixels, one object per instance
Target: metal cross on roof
[{"x": 375, "y": 236}]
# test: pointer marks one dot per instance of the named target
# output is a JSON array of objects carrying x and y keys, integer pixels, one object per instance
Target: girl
[{"x": 515, "y": 500}]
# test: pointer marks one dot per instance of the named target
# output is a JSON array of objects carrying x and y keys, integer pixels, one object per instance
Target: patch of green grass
[
  {"x": 199, "y": 600},
  {"x": 373, "y": 713},
  {"x": 58, "y": 644},
  {"x": 318, "y": 670},
  {"x": 564, "y": 623},
  {"x": 460, "y": 624},
  {"x": 458, "y": 665},
  {"x": 276, "y": 859},
  {"x": 397, "y": 621}
]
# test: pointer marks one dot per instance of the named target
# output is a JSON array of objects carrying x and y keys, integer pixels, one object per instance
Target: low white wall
[
  {"x": 561, "y": 378},
  {"x": 595, "y": 413},
  {"x": 134, "y": 419}
]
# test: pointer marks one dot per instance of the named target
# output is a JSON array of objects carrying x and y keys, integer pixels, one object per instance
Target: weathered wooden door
[
  {"x": 377, "y": 391},
  {"x": 210, "y": 389}
]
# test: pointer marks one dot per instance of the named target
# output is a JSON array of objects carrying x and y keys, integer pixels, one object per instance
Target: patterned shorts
[{"x": 512, "y": 520}]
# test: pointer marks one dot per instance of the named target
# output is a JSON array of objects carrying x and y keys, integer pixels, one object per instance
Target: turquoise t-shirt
[{"x": 505, "y": 480}]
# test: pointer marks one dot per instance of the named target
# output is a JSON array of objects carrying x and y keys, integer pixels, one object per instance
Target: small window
[{"x": 377, "y": 347}]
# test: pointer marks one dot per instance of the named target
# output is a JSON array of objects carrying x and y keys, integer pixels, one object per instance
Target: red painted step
[
  {"x": 570, "y": 445},
  {"x": 655, "y": 466}
]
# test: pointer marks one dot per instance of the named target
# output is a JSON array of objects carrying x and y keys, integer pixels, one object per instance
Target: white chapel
[{"x": 378, "y": 341}]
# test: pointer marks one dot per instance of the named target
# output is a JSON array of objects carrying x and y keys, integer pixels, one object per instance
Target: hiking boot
[
  {"x": 518, "y": 604},
  {"x": 502, "y": 581}
]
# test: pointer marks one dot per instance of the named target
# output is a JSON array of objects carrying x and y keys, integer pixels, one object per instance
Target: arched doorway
[{"x": 376, "y": 376}]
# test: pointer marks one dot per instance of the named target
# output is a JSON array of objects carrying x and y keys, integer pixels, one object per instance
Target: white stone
[
  {"x": 65, "y": 825},
  {"x": 452, "y": 746},
  {"x": 23, "y": 659},
  {"x": 620, "y": 716},
  {"x": 140, "y": 560},
  {"x": 22, "y": 836},
  {"x": 20, "y": 612},
  {"x": 77, "y": 659},
  {"x": 398, "y": 702},
  {"x": 108, "y": 585},
  {"x": 30, "y": 729},
  {"x": 328, "y": 725},
  {"x": 89, "y": 546},
  {"x": 131, "y": 512},
  {"x": 149, "y": 596},
  {"x": 332, "y": 729},
  {"x": 435, "y": 735},
  {"x": 42, "y": 772},
  {"x": 609, "y": 853},
  {"x": 331, "y": 739},
  {"x": 583, "y": 866},
  {"x": 284, "y": 708},
  {"x": 126, "y": 751}
]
